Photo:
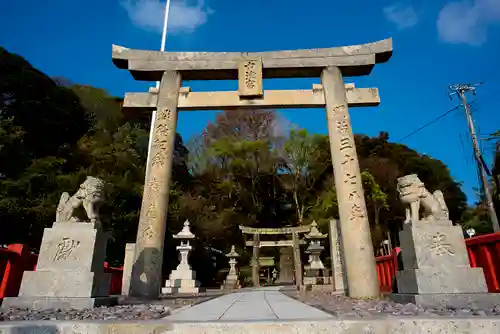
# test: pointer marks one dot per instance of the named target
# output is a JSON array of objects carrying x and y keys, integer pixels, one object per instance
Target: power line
[
  {"x": 431, "y": 122},
  {"x": 434, "y": 120}
]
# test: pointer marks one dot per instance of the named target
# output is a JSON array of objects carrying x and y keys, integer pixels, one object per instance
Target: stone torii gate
[
  {"x": 295, "y": 243},
  {"x": 331, "y": 64}
]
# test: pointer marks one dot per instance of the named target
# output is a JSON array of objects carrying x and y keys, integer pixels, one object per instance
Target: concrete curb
[{"x": 483, "y": 325}]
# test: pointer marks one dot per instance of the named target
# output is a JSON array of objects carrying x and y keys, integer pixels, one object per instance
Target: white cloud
[
  {"x": 403, "y": 16},
  {"x": 183, "y": 17},
  {"x": 467, "y": 21}
]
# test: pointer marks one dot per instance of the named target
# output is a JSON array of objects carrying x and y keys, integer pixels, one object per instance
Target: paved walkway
[{"x": 258, "y": 304}]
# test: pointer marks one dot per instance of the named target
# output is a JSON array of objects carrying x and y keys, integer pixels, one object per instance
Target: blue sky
[{"x": 436, "y": 43}]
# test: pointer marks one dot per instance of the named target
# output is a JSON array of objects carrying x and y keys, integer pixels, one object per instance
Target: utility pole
[
  {"x": 153, "y": 116},
  {"x": 460, "y": 90}
]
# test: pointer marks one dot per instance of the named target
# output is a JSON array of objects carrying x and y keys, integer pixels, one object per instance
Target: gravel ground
[
  {"x": 129, "y": 309},
  {"x": 344, "y": 306}
]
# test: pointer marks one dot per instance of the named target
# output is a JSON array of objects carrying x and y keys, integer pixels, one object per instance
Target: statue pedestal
[
  {"x": 69, "y": 272},
  {"x": 437, "y": 272}
]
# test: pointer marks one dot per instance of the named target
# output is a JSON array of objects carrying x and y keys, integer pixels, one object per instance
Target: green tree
[
  {"x": 376, "y": 201},
  {"x": 40, "y": 118},
  {"x": 304, "y": 167}
]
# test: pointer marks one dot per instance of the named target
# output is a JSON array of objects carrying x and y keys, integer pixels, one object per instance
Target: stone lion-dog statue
[
  {"x": 412, "y": 192},
  {"x": 89, "y": 196}
]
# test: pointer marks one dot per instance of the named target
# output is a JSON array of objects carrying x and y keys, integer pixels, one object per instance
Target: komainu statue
[
  {"x": 413, "y": 193},
  {"x": 90, "y": 197}
]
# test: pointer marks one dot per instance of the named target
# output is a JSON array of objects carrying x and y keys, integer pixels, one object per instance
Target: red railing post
[
  {"x": 383, "y": 264},
  {"x": 18, "y": 260},
  {"x": 115, "y": 283}
]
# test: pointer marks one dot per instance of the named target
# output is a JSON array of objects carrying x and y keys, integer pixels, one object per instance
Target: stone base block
[
  {"x": 64, "y": 283},
  {"x": 230, "y": 285},
  {"x": 65, "y": 303},
  {"x": 185, "y": 283},
  {"x": 439, "y": 280},
  {"x": 182, "y": 275},
  {"x": 338, "y": 326},
  {"x": 182, "y": 286},
  {"x": 317, "y": 280},
  {"x": 449, "y": 300},
  {"x": 322, "y": 288},
  {"x": 182, "y": 290}
]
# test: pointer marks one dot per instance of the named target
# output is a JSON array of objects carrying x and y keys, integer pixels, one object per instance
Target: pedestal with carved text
[
  {"x": 437, "y": 272},
  {"x": 69, "y": 272}
]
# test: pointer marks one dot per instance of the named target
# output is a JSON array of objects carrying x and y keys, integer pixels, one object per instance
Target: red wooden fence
[
  {"x": 14, "y": 260},
  {"x": 116, "y": 274},
  {"x": 386, "y": 269},
  {"x": 484, "y": 252}
]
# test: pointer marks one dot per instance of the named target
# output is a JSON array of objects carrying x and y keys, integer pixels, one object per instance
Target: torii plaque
[{"x": 331, "y": 64}]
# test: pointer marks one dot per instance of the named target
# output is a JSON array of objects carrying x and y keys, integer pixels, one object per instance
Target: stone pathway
[{"x": 255, "y": 305}]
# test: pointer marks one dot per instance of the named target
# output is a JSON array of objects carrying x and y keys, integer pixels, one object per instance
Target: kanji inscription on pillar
[
  {"x": 343, "y": 126},
  {"x": 250, "y": 78},
  {"x": 151, "y": 212},
  {"x": 153, "y": 188},
  {"x": 158, "y": 159},
  {"x": 348, "y": 158},
  {"x": 345, "y": 144},
  {"x": 154, "y": 185},
  {"x": 147, "y": 233},
  {"x": 161, "y": 129},
  {"x": 350, "y": 178},
  {"x": 338, "y": 110},
  {"x": 356, "y": 212},
  {"x": 160, "y": 143},
  {"x": 164, "y": 114},
  {"x": 354, "y": 195}
]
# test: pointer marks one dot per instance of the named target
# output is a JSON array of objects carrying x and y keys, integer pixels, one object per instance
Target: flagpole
[{"x": 153, "y": 117}]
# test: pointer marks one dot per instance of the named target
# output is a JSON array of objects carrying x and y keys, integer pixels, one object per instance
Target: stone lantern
[
  {"x": 315, "y": 268},
  {"x": 182, "y": 279},
  {"x": 231, "y": 282}
]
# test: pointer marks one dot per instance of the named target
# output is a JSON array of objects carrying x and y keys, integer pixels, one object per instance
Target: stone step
[{"x": 414, "y": 325}]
